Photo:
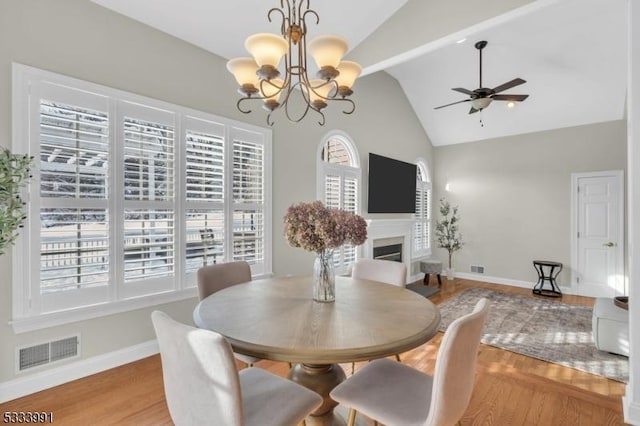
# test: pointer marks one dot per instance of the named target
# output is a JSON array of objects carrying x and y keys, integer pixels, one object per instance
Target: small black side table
[{"x": 551, "y": 277}]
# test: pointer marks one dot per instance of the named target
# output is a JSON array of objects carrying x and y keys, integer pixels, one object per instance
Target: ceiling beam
[{"x": 421, "y": 26}]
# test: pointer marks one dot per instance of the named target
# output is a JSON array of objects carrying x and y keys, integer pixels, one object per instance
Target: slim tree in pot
[{"x": 447, "y": 234}]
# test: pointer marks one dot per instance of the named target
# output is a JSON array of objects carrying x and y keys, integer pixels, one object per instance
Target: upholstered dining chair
[
  {"x": 385, "y": 271},
  {"x": 214, "y": 278},
  {"x": 203, "y": 386},
  {"x": 386, "y": 391}
]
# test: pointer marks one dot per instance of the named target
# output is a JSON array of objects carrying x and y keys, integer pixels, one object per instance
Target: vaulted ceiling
[{"x": 572, "y": 53}]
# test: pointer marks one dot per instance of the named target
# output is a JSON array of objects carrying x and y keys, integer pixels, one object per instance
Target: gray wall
[
  {"x": 514, "y": 194},
  {"x": 80, "y": 39}
]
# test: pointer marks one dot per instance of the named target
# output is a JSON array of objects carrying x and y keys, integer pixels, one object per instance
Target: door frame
[{"x": 619, "y": 175}]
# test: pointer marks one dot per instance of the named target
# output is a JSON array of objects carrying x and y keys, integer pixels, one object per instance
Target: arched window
[
  {"x": 338, "y": 183},
  {"x": 422, "y": 227}
]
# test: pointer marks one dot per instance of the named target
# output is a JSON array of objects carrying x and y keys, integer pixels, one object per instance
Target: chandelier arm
[
  {"x": 333, "y": 90},
  {"x": 322, "y": 117},
  {"x": 287, "y": 95},
  {"x": 299, "y": 119},
  {"x": 270, "y": 83},
  {"x": 269, "y": 121},
  {"x": 307, "y": 102},
  {"x": 349, "y": 101},
  {"x": 288, "y": 5},
  {"x": 284, "y": 18},
  {"x": 310, "y": 12},
  {"x": 246, "y": 98}
]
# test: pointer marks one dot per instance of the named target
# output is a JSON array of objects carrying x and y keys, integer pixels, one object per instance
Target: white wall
[
  {"x": 514, "y": 194},
  {"x": 631, "y": 402},
  {"x": 80, "y": 39}
]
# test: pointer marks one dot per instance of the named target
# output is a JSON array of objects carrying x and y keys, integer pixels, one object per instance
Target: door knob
[{"x": 609, "y": 244}]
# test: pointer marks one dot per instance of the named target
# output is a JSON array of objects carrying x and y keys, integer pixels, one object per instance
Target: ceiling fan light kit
[
  {"x": 482, "y": 97},
  {"x": 258, "y": 76}
]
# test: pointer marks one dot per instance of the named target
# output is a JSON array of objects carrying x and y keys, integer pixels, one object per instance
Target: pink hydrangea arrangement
[{"x": 314, "y": 227}]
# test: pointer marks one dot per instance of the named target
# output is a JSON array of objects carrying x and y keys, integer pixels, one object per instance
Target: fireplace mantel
[{"x": 390, "y": 228}]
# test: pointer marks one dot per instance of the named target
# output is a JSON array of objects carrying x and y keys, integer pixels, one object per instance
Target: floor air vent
[
  {"x": 477, "y": 269},
  {"x": 46, "y": 353}
]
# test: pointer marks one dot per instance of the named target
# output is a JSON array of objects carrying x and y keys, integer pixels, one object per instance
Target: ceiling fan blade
[
  {"x": 472, "y": 110},
  {"x": 462, "y": 90},
  {"x": 514, "y": 98},
  {"x": 453, "y": 103},
  {"x": 508, "y": 85}
]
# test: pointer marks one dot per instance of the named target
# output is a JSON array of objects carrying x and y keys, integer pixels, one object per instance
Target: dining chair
[
  {"x": 203, "y": 386},
  {"x": 385, "y": 271},
  {"x": 216, "y": 277},
  {"x": 395, "y": 394}
]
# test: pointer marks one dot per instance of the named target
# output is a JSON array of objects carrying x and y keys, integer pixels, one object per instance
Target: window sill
[{"x": 52, "y": 319}]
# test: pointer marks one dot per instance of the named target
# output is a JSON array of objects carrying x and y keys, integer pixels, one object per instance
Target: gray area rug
[
  {"x": 551, "y": 331},
  {"x": 423, "y": 289}
]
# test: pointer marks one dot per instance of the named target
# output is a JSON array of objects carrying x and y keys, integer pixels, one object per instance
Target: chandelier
[{"x": 260, "y": 79}]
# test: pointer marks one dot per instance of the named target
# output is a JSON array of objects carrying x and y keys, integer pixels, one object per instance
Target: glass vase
[{"x": 324, "y": 278}]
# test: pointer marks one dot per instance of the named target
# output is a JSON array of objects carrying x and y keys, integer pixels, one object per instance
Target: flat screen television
[{"x": 392, "y": 185}]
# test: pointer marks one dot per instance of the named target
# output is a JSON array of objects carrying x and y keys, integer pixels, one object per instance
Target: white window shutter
[
  {"x": 205, "y": 195},
  {"x": 74, "y": 227},
  {"x": 248, "y": 202}
]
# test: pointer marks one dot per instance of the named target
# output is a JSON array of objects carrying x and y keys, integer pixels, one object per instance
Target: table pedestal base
[{"x": 320, "y": 378}]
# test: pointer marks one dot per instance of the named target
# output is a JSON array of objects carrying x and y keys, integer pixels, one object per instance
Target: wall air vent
[
  {"x": 46, "y": 353},
  {"x": 477, "y": 269}
]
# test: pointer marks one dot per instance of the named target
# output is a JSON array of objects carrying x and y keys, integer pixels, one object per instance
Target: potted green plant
[
  {"x": 447, "y": 234},
  {"x": 14, "y": 174}
]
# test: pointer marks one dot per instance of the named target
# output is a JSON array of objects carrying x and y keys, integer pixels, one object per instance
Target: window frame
[
  {"x": 354, "y": 171},
  {"x": 424, "y": 186},
  {"x": 27, "y": 312}
]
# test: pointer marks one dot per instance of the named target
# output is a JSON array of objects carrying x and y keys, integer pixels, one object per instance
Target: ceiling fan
[{"x": 482, "y": 97}]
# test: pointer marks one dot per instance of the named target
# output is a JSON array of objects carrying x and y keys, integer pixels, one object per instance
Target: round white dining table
[{"x": 277, "y": 319}]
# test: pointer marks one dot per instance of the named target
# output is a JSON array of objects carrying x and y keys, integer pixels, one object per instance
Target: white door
[{"x": 600, "y": 236}]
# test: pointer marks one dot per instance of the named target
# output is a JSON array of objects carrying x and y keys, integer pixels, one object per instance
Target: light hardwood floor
[{"x": 510, "y": 390}]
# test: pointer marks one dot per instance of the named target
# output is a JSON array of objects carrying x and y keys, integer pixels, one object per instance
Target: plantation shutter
[
  {"x": 72, "y": 146},
  {"x": 350, "y": 204},
  {"x": 149, "y": 253},
  {"x": 205, "y": 193},
  {"x": 248, "y": 199},
  {"x": 129, "y": 197},
  {"x": 422, "y": 220},
  {"x": 340, "y": 188},
  {"x": 332, "y": 191}
]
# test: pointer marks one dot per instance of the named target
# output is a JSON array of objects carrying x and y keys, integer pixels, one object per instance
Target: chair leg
[
  {"x": 398, "y": 358},
  {"x": 352, "y": 417},
  {"x": 353, "y": 368},
  {"x": 439, "y": 281},
  {"x": 290, "y": 365}
]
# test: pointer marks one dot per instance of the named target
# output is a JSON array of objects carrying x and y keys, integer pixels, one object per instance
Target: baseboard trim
[
  {"x": 506, "y": 281},
  {"x": 631, "y": 411},
  {"x": 46, "y": 379},
  {"x": 494, "y": 280}
]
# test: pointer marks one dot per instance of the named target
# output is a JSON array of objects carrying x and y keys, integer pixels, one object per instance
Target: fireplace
[
  {"x": 391, "y": 252},
  {"x": 389, "y": 239}
]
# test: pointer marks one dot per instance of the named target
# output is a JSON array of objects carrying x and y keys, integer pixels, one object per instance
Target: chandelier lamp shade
[{"x": 260, "y": 77}]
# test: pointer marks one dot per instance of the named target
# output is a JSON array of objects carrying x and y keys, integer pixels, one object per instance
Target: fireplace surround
[{"x": 386, "y": 233}]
